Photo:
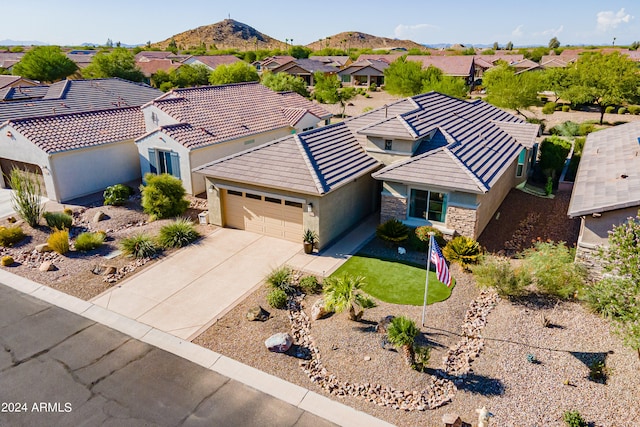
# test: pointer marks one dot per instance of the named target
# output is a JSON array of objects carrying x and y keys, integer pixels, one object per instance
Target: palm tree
[
  {"x": 342, "y": 293},
  {"x": 402, "y": 332}
]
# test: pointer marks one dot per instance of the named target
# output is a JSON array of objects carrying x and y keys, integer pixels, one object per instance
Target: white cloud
[
  {"x": 553, "y": 32},
  {"x": 403, "y": 31},
  {"x": 517, "y": 32},
  {"x": 608, "y": 20}
]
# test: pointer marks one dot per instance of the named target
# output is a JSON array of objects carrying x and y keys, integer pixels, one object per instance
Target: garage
[
  {"x": 34, "y": 171},
  {"x": 264, "y": 214}
]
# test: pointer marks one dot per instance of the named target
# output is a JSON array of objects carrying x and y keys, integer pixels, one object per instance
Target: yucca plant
[
  {"x": 343, "y": 293},
  {"x": 462, "y": 250},
  {"x": 179, "y": 233},
  {"x": 281, "y": 278},
  {"x": 402, "y": 332},
  {"x": 139, "y": 246},
  {"x": 393, "y": 231},
  {"x": 25, "y": 197}
]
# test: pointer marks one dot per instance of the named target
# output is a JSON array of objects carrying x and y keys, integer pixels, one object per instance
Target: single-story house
[
  {"x": 211, "y": 61},
  {"x": 149, "y": 55},
  {"x": 428, "y": 159},
  {"x": 186, "y": 128},
  {"x": 272, "y": 62},
  {"x": 304, "y": 68},
  {"x": 364, "y": 72},
  {"x": 606, "y": 190},
  {"x": 456, "y": 66},
  {"x": 339, "y": 61},
  {"x": 81, "y": 57},
  {"x": 9, "y": 59},
  {"x": 15, "y": 81}
]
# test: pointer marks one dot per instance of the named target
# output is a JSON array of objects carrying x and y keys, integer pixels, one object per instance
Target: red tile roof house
[
  {"x": 439, "y": 161},
  {"x": 187, "y": 128},
  {"x": 77, "y": 138}
]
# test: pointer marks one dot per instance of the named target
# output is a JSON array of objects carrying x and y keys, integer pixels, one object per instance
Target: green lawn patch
[{"x": 395, "y": 282}]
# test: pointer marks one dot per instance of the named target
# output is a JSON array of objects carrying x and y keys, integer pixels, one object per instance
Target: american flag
[{"x": 442, "y": 271}]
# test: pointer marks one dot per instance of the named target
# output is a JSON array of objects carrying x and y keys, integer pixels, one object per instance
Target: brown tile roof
[
  {"x": 461, "y": 66},
  {"x": 213, "y": 114},
  {"x": 388, "y": 58},
  {"x": 147, "y": 55},
  {"x": 54, "y": 134},
  {"x": 152, "y": 66},
  {"x": 213, "y": 61}
]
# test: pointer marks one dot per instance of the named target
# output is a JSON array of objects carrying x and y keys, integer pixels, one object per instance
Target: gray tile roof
[
  {"x": 74, "y": 96},
  {"x": 213, "y": 114},
  {"x": 314, "y": 162},
  {"x": 357, "y": 67},
  {"x": 310, "y": 65},
  {"x": 64, "y": 132},
  {"x": 608, "y": 177},
  {"x": 23, "y": 92},
  {"x": 465, "y": 137}
]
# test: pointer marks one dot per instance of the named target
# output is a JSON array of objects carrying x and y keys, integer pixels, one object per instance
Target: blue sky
[{"x": 524, "y": 23}]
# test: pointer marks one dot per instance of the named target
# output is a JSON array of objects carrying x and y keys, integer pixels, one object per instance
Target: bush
[
  {"x": 553, "y": 153},
  {"x": 462, "y": 250},
  {"x": 496, "y": 272},
  {"x": 25, "y": 197},
  {"x": 68, "y": 211},
  {"x": 139, "y": 246},
  {"x": 117, "y": 194},
  {"x": 423, "y": 231},
  {"x": 179, "y": 233},
  {"x": 574, "y": 419},
  {"x": 552, "y": 268},
  {"x": 610, "y": 109},
  {"x": 281, "y": 278},
  {"x": 59, "y": 241},
  {"x": 163, "y": 196},
  {"x": 566, "y": 108},
  {"x": 393, "y": 230},
  {"x": 310, "y": 285},
  {"x": 7, "y": 260},
  {"x": 598, "y": 371},
  {"x": 422, "y": 355},
  {"x": 622, "y": 110},
  {"x": 58, "y": 220},
  {"x": 586, "y": 128},
  {"x": 567, "y": 128},
  {"x": 89, "y": 241},
  {"x": 634, "y": 109},
  {"x": 373, "y": 87},
  {"x": 549, "y": 108},
  {"x": 9, "y": 236},
  {"x": 277, "y": 298}
]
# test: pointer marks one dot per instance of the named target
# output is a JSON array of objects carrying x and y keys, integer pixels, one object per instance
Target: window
[
  {"x": 253, "y": 196},
  {"x": 429, "y": 205},
  {"x": 522, "y": 158},
  {"x": 293, "y": 204},
  {"x": 234, "y": 193},
  {"x": 161, "y": 161},
  {"x": 273, "y": 200},
  {"x": 346, "y": 78},
  {"x": 306, "y": 129},
  {"x": 388, "y": 144}
]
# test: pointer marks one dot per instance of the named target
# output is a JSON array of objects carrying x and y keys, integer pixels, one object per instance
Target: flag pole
[{"x": 426, "y": 284}]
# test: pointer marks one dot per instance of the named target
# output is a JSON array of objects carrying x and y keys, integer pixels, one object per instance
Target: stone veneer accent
[
  {"x": 587, "y": 256},
  {"x": 462, "y": 220},
  {"x": 393, "y": 207}
]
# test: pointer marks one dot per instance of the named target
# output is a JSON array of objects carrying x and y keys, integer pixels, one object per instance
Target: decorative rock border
[{"x": 441, "y": 388}]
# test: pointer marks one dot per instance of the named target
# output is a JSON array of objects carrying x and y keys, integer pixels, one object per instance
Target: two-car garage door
[{"x": 268, "y": 215}]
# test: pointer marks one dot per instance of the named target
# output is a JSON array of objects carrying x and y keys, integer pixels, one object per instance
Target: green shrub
[
  {"x": 610, "y": 109},
  {"x": 578, "y": 145},
  {"x": 89, "y": 241},
  {"x": 281, "y": 278},
  {"x": 59, "y": 241},
  {"x": 393, "y": 230},
  {"x": 373, "y": 87},
  {"x": 598, "y": 371},
  {"x": 462, "y": 250},
  {"x": 553, "y": 153},
  {"x": 179, "y": 233},
  {"x": 9, "y": 236},
  {"x": 496, "y": 272},
  {"x": 163, "y": 196},
  {"x": 139, "y": 246},
  {"x": 586, "y": 128},
  {"x": 566, "y": 108},
  {"x": 58, "y": 220},
  {"x": 552, "y": 269},
  {"x": 310, "y": 285},
  {"x": 277, "y": 298},
  {"x": 549, "y": 108},
  {"x": 567, "y": 128},
  {"x": 25, "y": 197},
  {"x": 574, "y": 419},
  {"x": 422, "y": 357},
  {"x": 622, "y": 110},
  {"x": 7, "y": 260},
  {"x": 634, "y": 109},
  {"x": 423, "y": 231},
  {"x": 68, "y": 211},
  {"x": 117, "y": 194}
]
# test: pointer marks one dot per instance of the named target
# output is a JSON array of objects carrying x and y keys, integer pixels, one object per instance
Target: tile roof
[
  {"x": 152, "y": 66},
  {"x": 212, "y": 114},
  {"x": 81, "y": 59},
  {"x": 338, "y": 61},
  {"x": 73, "y": 96},
  {"x": 64, "y": 132},
  {"x": 464, "y": 135},
  {"x": 9, "y": 59},
  {"x": 314, "y": 162},
  {"x": 8, "y": 80},
  {"x": 388, "y": 58},
  {"x": 608, "y": 177},
  {"x": 461, "y": 65},
  {"x": 356, "y": 67},
  {"x": 212, "y": 61},
  {"x": 147, "y": 55},
  {"x": 310, "y": 65},
  {"x": 508, "y": 58},
  {"x": 23, "y": 92}
]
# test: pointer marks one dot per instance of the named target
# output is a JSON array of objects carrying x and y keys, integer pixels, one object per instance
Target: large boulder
[
  {"x": 99, "y": 216},
  {"x": 318, "y": 310},
  {"x": 43, "y": 247},
  {"x": 279, "y": 343},
  {"x": 258, "y": 313},
  {"x": 47, "y": 266}
]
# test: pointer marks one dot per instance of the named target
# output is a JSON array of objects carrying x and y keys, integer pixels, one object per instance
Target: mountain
[
  {"x": 8, "y": 42},
  {"x": 227, "y": 34},
  {"x": 358, "y": 40}
]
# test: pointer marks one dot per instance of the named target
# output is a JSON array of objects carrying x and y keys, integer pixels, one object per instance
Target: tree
[
  {"x": 434, "y": 79},
  {"x": 190, "y": 75},
  {"x": 505, "y": 89},
  {"x": 634, "y": 46},
  {"x": 403, "y": 332},
  {"x": 328, "y": 90},
  {"x": 46, "y": 64},
  {"x": 509, "y": 46},
  {"x": 403, "y": 78},
  {"x": 233, "y": 73},
  {"x": 281, "y": 82},
  {"x": 172, "y": 46},
  {"x": 120, "y": 62},
  {"x": 535, "y": 54},
  {"x": 554, "y": 43},
  {"x": 556, "y": 80},
  {"x": 343, "y": 293},
  {"x": 602, "y": 80},
  {"x": 299, "y": 52},
  {"x": 496, "y": 46},
  {"x": 109, "y": 43},
  {"x": 617, "y": 297}
]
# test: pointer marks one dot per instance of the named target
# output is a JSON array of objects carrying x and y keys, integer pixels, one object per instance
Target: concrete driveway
[{"x": 189, "y": 290}]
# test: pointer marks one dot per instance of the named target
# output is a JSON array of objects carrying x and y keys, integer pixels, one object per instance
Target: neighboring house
[
  {"x": 149, "y": 55},
  {"x": 9, "y": 59},
  {"x": 211, "y": 61},
  {"x": 555, "y": 61},
  {"x": 607, "y": 188},
  {"x": 187, "y": 128},
  {"x": 339, "y": 61},
  {"x": 388, "y": 58},
  {"x": 19, "y": 93},
  {"x": 150, "y": 67},
  {"x": 272, "y": 62},
  {"x": 364, "y": 72},
  {"x": 82, "y": 58},
  {"x": 456, "y": 66},
  {"x": 441, "y": 161},
  {"x": 7, "y": 81},
  {"x": 305, "y": 68}
]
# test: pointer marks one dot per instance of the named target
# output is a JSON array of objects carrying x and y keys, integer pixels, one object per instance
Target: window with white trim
[
  {"x": 429, "y": 205},
  {"x": 522, "y": 158},
  {"x": 162, "y": 161}
]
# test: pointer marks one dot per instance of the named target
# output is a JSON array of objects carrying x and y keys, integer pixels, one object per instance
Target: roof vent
[{"x": 624, "y": 176}]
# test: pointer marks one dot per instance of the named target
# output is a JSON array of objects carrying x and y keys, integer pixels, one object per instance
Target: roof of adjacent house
[
  {"x": 64, "y": 132},
  {"x": 213, "y": 61},
  {"x": 9, "y": 59},
  {"x": 462, "y": 148},
  {"x": 310, "y": 65},
  {"x": 152, "y": 66},
  {"x": 74, "y": 96},
  {"x": 276, "y": 61},
  {"x": 18, "y": 93},
  {"x": 147, "y": 55},
  {"x": 461, "y": 65},
  {"x": 82, "y": 58},
  {"x": 388, "y": 58},
  {"x": 608, "y": 176},
  {"x": 337, "y": 60},
  {"x": 212, "y": 114},
  {"x": 360, "y": 65},
  {"x": 314, "y": 162}
]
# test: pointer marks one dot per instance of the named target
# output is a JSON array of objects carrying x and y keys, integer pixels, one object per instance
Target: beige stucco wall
[
  {"x": 162, "y": 118},
  {"x": 595, "y": 230},
  {"x": 490, "y": 202}
]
